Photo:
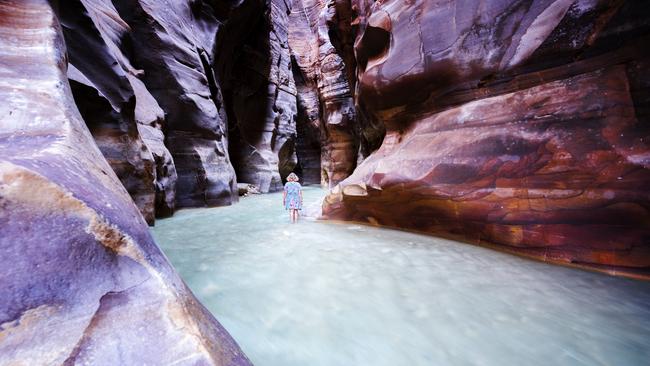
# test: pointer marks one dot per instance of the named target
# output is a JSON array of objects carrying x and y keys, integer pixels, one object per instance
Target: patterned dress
[{"x": 292, "y": 202}]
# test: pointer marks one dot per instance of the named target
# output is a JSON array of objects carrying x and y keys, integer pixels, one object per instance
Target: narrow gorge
[{"x": 522, "y": 126}]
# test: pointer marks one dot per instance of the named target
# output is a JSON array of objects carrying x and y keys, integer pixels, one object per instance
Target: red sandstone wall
[{"x": 522, "y": 124}]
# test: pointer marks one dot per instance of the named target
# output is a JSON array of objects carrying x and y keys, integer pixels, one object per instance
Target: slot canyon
[{"x": 519, "y": 127}]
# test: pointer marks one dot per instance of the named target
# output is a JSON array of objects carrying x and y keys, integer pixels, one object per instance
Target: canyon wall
[
  {"x": 82, "y": 280},
  {"x": 261, "y": 97},
  {"x": 102, "y": 81},
  {"x": 160, "y": 84},
  {"x": 174, "y": 44},
  {"x": 522, "y": 125},
  {"x": 320, "y": 41}
]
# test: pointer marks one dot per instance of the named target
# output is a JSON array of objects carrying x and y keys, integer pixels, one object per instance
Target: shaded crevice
[
  {"x": 374, "y": 44},
  {"x": 209, "y": 75}
]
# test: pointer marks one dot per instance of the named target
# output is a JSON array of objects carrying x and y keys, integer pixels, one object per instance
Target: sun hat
[{"x": 292, "y": 177}]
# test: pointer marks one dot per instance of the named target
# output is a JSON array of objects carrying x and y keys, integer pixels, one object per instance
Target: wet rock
[
  {"x": 516, "y": 124},
  {"x": 246, "y": 189},
  {"x": 82, "y": 279}
]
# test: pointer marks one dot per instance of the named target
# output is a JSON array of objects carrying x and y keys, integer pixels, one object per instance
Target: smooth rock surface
[
  {"x": 324, "y": 79},
  {"x": 519, "y": 124},
  {"x": 174, "y": 43},
  {"x": 99, "y": 77},
  {"x": 83, "y": 281},
  {"x": 261, "y": 93}
]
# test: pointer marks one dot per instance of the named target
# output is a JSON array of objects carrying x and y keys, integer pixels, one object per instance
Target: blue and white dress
[{"x": 292, "y": 201}]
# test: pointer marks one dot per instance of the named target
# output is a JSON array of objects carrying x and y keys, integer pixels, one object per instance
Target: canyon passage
[
  {"x": 322, "y": 293},
  {"x": 513, "y": 136}
]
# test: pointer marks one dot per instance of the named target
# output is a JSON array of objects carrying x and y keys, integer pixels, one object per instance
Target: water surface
[{"x": 319, "y": 293}]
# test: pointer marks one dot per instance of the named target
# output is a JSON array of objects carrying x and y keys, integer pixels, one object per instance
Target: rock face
[
  {"x": 77, "y": 256},
  {"x": 149, "y": 81},
  {"x": 261, "y": 96},
  {"x": 150, "y": 119},
  {"x": 174, "y": 44},
  {"x": 99, "y": 76},
  {"x": 522, "y": 124},
  {"x": 316, "y": 28}
]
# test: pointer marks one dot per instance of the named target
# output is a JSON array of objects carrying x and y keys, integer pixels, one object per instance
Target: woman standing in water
[{"x": 292, "y": 198}]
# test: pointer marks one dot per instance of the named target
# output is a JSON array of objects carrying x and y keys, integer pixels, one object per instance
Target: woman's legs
[{"x": 293, "y": 215}]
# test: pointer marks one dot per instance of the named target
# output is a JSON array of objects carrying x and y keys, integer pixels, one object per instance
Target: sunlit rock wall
[
  {"x": 518, "y": 124},
  {"x": 100, "y": 76},
  {"x": 261, "y": 96},
  {"x": 319, "y": 32},
  {"x": 82, "y": 281}
]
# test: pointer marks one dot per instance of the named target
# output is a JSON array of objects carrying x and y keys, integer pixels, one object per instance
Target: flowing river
[{"x": 321, "y": 293}]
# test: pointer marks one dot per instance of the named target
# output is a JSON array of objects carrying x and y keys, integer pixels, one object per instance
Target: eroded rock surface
[
  {"x": 99, "y": 76},
  {"x": 261, "y": 93},
  {"x": 82, "y": 280},
  {"x": 522, "y": 124},
  {"x": 174, "y": 43},
  {"x": 151, "y": 119},
  {"x": 324, "y": 79}
]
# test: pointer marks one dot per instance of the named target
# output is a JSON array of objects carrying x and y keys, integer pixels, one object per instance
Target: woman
[{"x": 292, "y": 199}]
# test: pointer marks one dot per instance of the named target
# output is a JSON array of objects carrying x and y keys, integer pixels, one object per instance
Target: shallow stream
[{"x": 320, "y": 293}]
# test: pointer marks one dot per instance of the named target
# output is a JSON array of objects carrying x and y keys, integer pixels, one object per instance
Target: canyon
[{"x": 518, "y": 125}]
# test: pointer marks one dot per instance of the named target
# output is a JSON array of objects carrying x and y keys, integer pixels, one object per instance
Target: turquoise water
[{"x": 319, "y": 293}]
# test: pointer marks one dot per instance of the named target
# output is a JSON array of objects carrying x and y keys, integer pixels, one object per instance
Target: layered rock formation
[
  {"x": 261, "y": 96},
  {"x": 82, "y": 280},
  {"x": 150, "y": 119},
  {"x": 252, "y": 90},
  {"x": 316, "y": 28},
  {"x": 174, "y": 43},
  {"x": 104, "y": 96},
  {"x": 522, "y": 124},
  {"x": 149, "y": 82}
]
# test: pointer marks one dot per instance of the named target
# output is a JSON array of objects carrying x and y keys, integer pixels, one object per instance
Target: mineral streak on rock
[
  {"x": 261, "y": 93},
  {"x": 77, "y": 256},
  {"x": 313, "y": 33},
  {"x": 522, "y": 124}
]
